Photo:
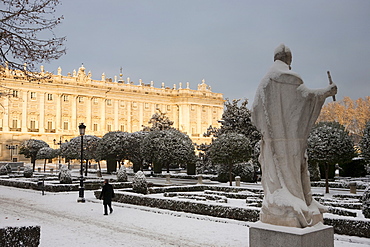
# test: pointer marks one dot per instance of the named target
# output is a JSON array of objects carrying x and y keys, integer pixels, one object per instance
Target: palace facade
[{"x": 50, "y": 107}]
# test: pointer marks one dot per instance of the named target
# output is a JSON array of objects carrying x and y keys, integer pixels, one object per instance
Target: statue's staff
[{"x": 331, "y": 82}]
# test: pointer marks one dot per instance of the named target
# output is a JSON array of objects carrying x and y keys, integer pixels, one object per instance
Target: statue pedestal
[{"x": 267, "y": 235}]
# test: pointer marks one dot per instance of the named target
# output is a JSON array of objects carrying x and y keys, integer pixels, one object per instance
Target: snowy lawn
[{"x": 64, "y": 222}]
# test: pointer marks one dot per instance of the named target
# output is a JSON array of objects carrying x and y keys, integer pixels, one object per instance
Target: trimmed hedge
[
  {"x": 20, "y": 236},
  {"x": 350, "y": 227},
  {"x": 221, "y": 211},
  {"x": 57, "y": 187},
  {"x": 344, "y": 226}
]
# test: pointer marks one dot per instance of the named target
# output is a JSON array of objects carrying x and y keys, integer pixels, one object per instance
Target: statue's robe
[{"x": 284, "y": 111}]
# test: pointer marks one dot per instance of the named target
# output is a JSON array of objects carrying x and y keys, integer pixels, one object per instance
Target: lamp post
[
  {"x": 11, "y": 148},
  {"x": 59, "y": 144},
  {"x": 81, "y": 198}
]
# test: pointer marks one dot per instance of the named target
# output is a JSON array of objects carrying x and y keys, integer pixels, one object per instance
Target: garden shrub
[
  {"x": 366, "y": 203},
  {"x": 65, "y": 176},
  {"x": 5, "y": 169},
  {"x": 121, "y": 174},
  {"x": 139, "y": 183},
  {"x": 28, "y": 172}
]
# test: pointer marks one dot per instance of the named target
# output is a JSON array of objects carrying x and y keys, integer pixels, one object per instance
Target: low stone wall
[{"x": 11, "y": 236}]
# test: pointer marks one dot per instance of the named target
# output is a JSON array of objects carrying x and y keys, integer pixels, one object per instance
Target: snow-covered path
[{"x": 64, "y": 222}]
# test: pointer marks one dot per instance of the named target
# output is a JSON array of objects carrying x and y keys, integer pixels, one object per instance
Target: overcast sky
[{"x": 229, "y": 43}]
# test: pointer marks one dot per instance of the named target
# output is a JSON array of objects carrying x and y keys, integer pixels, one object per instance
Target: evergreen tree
[
  {"x": 329, "y": 144},
  {"x": 46, "y": 153},
  {"x": 72, "y": 149},
  {"x": 135, "y": 154},
  {"x": 159, "y": 121},
  {"x": 365, "y": 143},
  {"x": 113, "y": 148},
  {"x": 235, "y": 119},
  {"x": 30, "y": 148},
  {"x": 166, "y": 147},
  {"x": 229, "y": 149}
]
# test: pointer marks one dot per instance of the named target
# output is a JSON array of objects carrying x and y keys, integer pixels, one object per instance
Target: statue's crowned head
[{"x": 283, "y": 53}]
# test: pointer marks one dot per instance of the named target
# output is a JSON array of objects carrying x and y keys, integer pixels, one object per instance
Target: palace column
[
  {"x": 58, "y": 127},
  {"x": 6, "y": 114},
  {"x": 198, "y": 108},
  {"x": 42, "y": 114},
  {"x": 89, "y": 113},
  {"x": 141, "y": 114},
  {"x": 102, "y": 116},
  {"x": 24, "y": 112},
  {"x": 209, "y": 113},
  {"x": 129, "y": 124},
  {"x": 74, "y": 113},
  {"x": 115, "y": 105}
]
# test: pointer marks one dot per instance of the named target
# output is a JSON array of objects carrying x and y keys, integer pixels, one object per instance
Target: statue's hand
[{"x": 332, "y": 90}]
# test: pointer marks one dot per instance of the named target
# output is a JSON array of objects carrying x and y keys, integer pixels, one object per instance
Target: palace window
[
  {"x": 168, "y": 108},
  {"x": 65, "y": 125},
  {"x": 95, "y": 127},
  {"x": 109, "y": 102},
  {"x": 146, "y": 105},
  {"x": 33, "y": 125},
  {"x": 15, "y": 123},
  {"x": 80, "y": 99},
  {"x": 33, "y": 95},
  {"x": 65, "y": 98},
  {"x": 50, "y": 125},
  {"x": 50, "y": 96},
  {"x": 122, "y": 128},
  {"x": 95, "y": 101},
  {"x": 109, "y": 128},
  {"x": 122, "y": 103},
  {"x": 15, "y": 93},
  {"x": 134, "y": 104}
]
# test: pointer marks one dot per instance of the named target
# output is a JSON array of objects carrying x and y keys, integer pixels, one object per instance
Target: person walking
[{"x": 107, "y": 194}]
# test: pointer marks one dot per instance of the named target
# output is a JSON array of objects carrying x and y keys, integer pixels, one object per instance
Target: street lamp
[
  {"x": 59, "y": 144},
  {"x": 81, "y": 198},
  {"x": 11, "y": 148}
]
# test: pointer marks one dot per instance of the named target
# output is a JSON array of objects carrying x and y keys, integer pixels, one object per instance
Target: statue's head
[{"x": 284, "y": 54}]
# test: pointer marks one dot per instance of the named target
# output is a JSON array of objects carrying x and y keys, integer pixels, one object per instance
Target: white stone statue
[{"x": 284, "y": 111}]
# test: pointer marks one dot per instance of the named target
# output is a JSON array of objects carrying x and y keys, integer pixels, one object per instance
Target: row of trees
[
  {"x": 160, "y": 145},
  {"x": 235, "y": 142}
]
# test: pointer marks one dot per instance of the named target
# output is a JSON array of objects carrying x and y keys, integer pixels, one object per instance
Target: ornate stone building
[{"x": 50, "y": 107}]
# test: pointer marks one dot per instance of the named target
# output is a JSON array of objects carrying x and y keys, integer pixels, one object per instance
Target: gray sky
[{"x": 229, "y": 43}]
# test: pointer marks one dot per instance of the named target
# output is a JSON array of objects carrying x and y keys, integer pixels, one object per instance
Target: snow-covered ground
[{"x": 64, "y": 222}]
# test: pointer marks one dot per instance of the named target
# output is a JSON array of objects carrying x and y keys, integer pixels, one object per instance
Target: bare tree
[{"x": 23, "y": 24}]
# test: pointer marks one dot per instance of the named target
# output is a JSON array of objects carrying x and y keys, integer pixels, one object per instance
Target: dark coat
[{"x": 107, "y": 193}]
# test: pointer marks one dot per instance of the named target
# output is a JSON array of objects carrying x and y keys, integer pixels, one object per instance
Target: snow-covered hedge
[
  {"x": 341, "y": 185},
  {"x": 65, "y": 176},
  {"x": 20, "y": 236},
  {"x": 55, "y": 186},
  {"x": 198, "y": 197},
  {"x": 5, "y": 169},
  {"x": 222, "y": 211},
  {"x": 121, "y": 174},
  {"x": 139, "y": 183},
  {"x": 366, "y": 203},
  {"x": 28, "y": 172},
  {"x": 360, "y": 228}
]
